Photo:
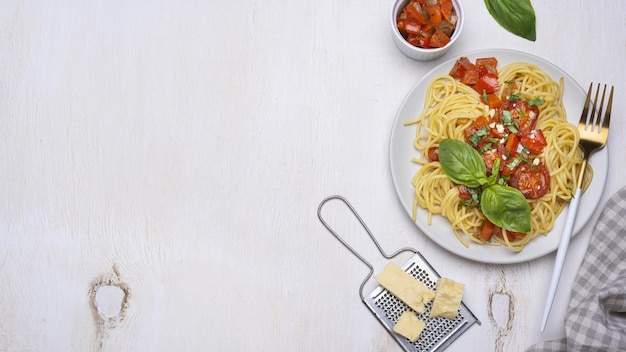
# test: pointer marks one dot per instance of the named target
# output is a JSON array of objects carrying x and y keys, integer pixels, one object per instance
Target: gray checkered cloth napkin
[{"x": 596, "y": 315}]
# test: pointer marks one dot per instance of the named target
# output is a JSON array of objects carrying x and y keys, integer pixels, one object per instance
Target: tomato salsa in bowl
[{"x": 426, "y": 29}]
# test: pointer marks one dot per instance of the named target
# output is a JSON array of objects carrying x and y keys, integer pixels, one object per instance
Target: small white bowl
[{"x": 418, "y": 53}]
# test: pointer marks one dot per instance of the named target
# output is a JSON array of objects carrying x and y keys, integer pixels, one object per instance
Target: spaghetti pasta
[{"x": 451, "y": 107}]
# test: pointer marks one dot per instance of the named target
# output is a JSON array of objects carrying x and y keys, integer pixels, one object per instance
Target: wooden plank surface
[{"x": 161, "y": 166}]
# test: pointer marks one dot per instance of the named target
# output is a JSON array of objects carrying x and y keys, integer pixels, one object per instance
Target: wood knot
[{"x": 108, "y": 296}]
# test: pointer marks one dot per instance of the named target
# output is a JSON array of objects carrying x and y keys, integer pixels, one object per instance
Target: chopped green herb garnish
[
  {"x": 474, "y": 200},
  {"x": 525, "y": 150},
  {"x": 485, "y": 148},
  {"x": 507, "y": 120},
  {"x": 477, "y": 136},
  {"x": 515, "y": 163},
  {"x": 536, "y": 101},
  {"x": 515, "y": 96}
]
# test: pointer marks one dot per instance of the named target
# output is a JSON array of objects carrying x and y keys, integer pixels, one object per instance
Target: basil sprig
[
  {"x": 516, "y": 16},
  {"x": 504, "y": 206}
]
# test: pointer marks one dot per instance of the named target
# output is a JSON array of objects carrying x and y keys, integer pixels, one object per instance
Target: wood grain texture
[{"x": 178, "y": 151}]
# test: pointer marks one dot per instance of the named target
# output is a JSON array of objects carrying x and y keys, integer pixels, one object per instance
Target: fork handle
[{"x": 560, "y": 255}]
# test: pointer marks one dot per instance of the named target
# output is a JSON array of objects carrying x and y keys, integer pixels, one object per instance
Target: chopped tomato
[
  {"x": 487, "y": 61},
  {"x": 511, "y": 236},
  {"x": 509, "y": 164},
  {"x": 487, "y": 230},
  {"x": 412, "y": 39},
  {"x": 511, "y": 145},
  {"x": 487, "y": 83},
  {"x": 434, "y": 13},
  {"x": 471, "y": 75},
  {"x": 464, "y": 192},
  {"x": 509, "y": 169},
  {"x": 535, "y": 141},
  {"x": 424, "y": 42},
  {"x": 439, "y": 39},
  {"x": 433, "y": 154},
  {"x": 532, "y": 181},
  {"x": 416, "y": 13},
  {"x": 518, "y": 235},
  {"x": 427, "y": 31},
  {"x": 401, "y": 24},
  {"x": 459, "y": 68},
  {"x": 483, "y": 76},
  {"x": 493, "y": 101},
  {"x": 446, "y": 10},
  {"x": 427, "y": 24},
  {"x": 487, "y": 65},
  {"x": 411, "y": 27}
]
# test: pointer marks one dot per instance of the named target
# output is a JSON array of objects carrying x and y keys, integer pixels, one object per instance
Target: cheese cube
[
  {"x": 402, "y": 285},
  {"x": 447, "y": 298},
  {"x": 409, "y": 326}
]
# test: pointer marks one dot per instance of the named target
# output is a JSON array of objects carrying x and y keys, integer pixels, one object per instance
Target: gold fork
[{"x": 594, "y": 131}]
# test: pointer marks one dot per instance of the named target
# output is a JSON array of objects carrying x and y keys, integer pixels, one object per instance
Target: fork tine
[
  {"x": 607, "y": 114},
  {"x": 596, "y": 118},
  {"x": 593, "y": 117},
  {"x": 585, "y": 113}
]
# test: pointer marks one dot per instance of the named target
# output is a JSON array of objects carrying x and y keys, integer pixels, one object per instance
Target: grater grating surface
[{"x": 439, "y": 332}]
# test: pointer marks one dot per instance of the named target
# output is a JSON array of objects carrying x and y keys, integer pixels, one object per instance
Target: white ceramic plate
[{"x": 440, "y": 231}]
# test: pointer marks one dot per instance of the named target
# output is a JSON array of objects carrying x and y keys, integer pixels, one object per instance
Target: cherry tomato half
[{"x": 532, "y": 181}]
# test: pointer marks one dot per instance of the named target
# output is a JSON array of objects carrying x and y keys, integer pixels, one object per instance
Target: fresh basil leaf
[
  {"x": 495, "y": 170},
  {"x": 516, "y": 16},
  {"x": 506, "y": 207},
  {"x": 462, "y": 163}
]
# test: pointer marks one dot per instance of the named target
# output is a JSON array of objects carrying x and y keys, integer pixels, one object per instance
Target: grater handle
[{"x": 350, "y": 248}]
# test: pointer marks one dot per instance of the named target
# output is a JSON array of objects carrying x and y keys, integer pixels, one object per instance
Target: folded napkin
[{"x": 596, "y": 315}]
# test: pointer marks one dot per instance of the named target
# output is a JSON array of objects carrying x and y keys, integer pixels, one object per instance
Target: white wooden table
[{"x": 178, "y": 151}]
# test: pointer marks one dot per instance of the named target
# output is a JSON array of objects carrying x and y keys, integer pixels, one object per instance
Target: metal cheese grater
[{"x": 438, "y": 333}]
